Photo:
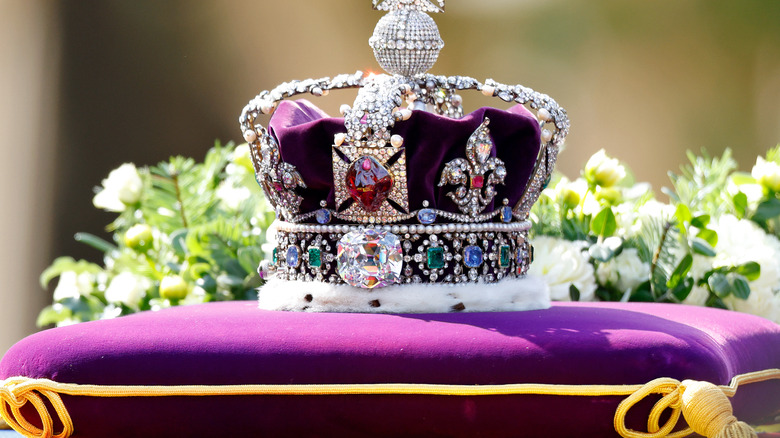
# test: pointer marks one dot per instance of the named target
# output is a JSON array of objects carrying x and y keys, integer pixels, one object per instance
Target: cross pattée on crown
[{"x": 420, "y": 5}]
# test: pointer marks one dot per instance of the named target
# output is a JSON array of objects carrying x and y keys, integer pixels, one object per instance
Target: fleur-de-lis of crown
[
  {"x": 282, "y": 180},
  {"x": 477, "y": 174}
]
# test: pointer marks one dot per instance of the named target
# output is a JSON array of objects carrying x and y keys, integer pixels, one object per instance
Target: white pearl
[
  {"x": 451, "y": 228},
  {"x": 339, "y": 138},
  {"x": 488, "y": 90},
  {"x": 429, "y": 229},
  {"x": 250, "y": 136},
  {"x": 404, "y": 229},
  {"x": 266, "y": 106},
  {"x": 396, "y": 140},
  {"x": 406, "y": 114},
  {"x": 543, "y": 114},
  {"x": 546, "y": 135},
  {"x": 437, "y": 229},
  {"x": 344, "y": 109},
  {"x": 395, "y": 229}
]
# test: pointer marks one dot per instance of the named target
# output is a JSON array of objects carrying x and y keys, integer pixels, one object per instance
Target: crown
[{"x": 406, "y": 202}]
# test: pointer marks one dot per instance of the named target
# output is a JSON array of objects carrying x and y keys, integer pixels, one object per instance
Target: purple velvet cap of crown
[
  {"x": 235, "y": 343},
  {"x": 305, "y": 136}
]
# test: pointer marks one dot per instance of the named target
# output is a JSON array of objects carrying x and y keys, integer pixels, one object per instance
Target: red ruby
[
  {"x": 478, "y": 182},
  {"x": 368, "y": 182}
]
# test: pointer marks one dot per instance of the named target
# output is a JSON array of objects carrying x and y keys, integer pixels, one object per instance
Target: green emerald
[
  {"x": 315, "y": 257},
  {"x": 504, "y": 256},
  {"x": 275, "y": 256},
  {"x": 435, "y": 258}
]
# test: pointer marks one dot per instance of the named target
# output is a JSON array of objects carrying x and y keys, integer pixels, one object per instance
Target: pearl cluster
[{"x": 403, "y": 229}]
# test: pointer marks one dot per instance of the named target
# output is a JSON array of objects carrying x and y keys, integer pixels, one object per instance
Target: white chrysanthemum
[
  {"x": 123, "y": 187},
  {"x": 128, "y": 289},
  {"x": 73, "y": 285},
  {"x": 624, "y": 272},
  {"x": 562, "y": 263}
]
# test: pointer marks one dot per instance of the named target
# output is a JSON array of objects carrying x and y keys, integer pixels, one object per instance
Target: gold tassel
[{"x": 708, "y": 412}]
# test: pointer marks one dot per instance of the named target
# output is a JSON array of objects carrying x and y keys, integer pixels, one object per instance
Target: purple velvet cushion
[
  {"x": 235, "y": 343},
  {"x": 305, "y": 136}
]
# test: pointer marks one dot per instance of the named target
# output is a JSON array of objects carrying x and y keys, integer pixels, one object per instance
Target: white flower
[
  {"x": 561, "y": 263},
  {"x": 128, "y": 289},
  {"x": 767, "y": 173},
  {"x": 739, "y": 242},
  {"x": 232, "y": 196},
  {"x": 123, "y": 187},
  {"x": 604, "y": 171},
  {"x": 73, "y": 285},
  {"x": 624, "y": 272}
]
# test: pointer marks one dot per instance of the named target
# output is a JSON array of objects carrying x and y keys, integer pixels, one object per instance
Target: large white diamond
[{"x": 370, "y": 258}]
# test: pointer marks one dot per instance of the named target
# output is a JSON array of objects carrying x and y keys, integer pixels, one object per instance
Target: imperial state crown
[{"x": 407, "y": 203}]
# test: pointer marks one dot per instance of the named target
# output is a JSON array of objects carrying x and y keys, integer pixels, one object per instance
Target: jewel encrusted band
[{"x": 369, "y": 257}]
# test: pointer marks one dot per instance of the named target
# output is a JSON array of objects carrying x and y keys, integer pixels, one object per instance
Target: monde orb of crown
[{"x": 406, "y": 41}]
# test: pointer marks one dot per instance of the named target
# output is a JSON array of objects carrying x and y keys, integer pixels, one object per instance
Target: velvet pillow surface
[{"x": 234, "y": 343}]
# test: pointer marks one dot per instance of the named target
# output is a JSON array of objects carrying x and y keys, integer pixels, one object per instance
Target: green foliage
[
  {"x": 205, "y": 243},
  {"x": 678, "y": 242}
]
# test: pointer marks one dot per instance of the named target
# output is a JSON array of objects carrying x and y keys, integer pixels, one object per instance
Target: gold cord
[{"x": 704, "y": 406}]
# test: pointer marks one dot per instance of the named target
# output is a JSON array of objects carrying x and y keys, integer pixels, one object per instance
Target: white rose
[
  {"x": 128, "y": 289},
  {"x": 561, "y": 263},
  {"x": 123, "y": 187},
  {"x": 624, "y": 272},
  {"x": 767, "y": 173},
  {"x": 72, "y": 285},
  {"x": 604, "y": 171}
]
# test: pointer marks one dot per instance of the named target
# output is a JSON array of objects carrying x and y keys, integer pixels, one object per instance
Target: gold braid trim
[{"x": 703, "y": 408}]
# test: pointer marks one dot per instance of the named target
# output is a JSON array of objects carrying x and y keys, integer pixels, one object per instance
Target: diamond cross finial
[{"x": 419, "y": 5}]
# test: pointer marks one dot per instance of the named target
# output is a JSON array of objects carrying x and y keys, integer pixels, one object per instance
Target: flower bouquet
[{"x": 189, "y": 233}]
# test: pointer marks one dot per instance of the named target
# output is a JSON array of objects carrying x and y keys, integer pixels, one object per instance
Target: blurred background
[{"x": 86, "y": 85}]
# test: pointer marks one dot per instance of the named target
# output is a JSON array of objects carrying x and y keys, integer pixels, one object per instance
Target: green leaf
[
  {"x": 710, "y": 236},
  {"x": 740, "y": 178},
  {"x": 740, "y": 205},
  {"x": 683, "y": 214},
  {"x": 574, "y": 293},
  {"x": 739, "y": 286},
  {"x": 719, "y": 285},
  {"x": 604, "y": 224},
  {"x": 250, "y": 257},
  {"x": 701, "y": 246},
  {"x": 52, "y": 315},
  {"x": 64, "y": 264},
  {"x": 95, "y": 242},
  {"x": 683, "y": 289},
  {"x": 751, "y": 270},
  {"x": 701, "y": 221},
  {"x": 179, "y": 242},
  {"x": 681, "y": 272},
  {"x": 767, "y": 210}
]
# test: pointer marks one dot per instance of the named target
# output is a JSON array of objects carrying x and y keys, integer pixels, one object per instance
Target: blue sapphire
[
  {"x": 472, "y": 256},
  {"x": 323, "y": 216},
  {"x": 506, "y": 214},
  {"x": 426, "y": 216},
  {"x": 293, "y": 256}
]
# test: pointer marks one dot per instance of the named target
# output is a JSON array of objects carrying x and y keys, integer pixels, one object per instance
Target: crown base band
[
  {"x": 508, "y": 295},
  {"x": 375, "y": 257}
]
